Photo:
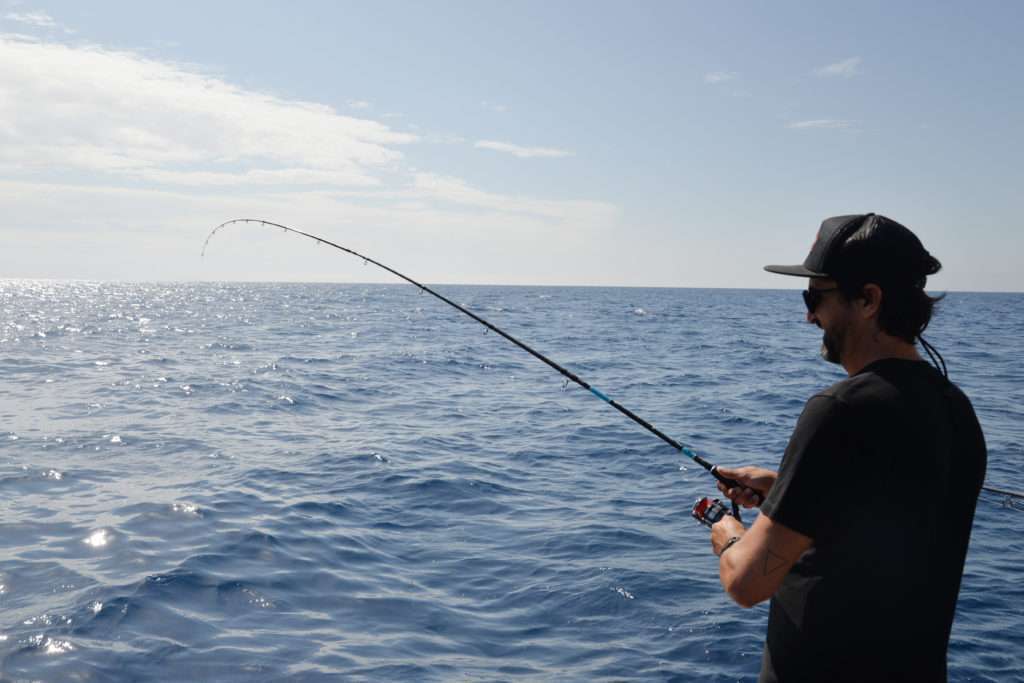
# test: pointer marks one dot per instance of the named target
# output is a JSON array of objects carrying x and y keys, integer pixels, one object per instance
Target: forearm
[
  {"x": 727, "y": 541},
  {"x": 752, "y": 568},
  {"x": 735, "y": 570}
]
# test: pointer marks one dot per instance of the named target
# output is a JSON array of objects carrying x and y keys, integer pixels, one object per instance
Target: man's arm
[{"x": 752, "y": 568}]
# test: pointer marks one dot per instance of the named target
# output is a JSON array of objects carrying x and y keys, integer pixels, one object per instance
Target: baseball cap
[{"x": 864, "y": 246}]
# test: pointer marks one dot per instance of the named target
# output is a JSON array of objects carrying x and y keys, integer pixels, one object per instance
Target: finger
[
  {"x": 751, "y": 498},
  {"x": 747, "y": 498},
  {"x": 727, "y": 472}
]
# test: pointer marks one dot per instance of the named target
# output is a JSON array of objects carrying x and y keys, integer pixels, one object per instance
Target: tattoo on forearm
[{"x": 773, "y": 562}]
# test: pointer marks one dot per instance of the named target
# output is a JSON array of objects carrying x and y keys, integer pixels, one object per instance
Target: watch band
[{"x": 730, "y": 543}]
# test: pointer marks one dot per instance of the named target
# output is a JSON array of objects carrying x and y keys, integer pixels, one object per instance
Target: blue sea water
[{"x": 262, "y": 482}]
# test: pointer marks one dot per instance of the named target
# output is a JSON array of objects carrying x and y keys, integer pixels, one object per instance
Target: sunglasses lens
[{"x": 811, "y": 299}]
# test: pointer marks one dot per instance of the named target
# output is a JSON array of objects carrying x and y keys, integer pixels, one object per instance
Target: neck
[{"x": 876, "y": 346}]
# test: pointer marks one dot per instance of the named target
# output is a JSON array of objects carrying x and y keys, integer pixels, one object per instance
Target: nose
[{"x": 813, "y": 319}]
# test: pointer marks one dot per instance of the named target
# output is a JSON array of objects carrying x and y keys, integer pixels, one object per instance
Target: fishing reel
[{"x": 707, "y": 511}]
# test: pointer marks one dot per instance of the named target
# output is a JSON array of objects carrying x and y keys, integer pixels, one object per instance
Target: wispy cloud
[
  {"x": 121, "y": 114},
  {"x": 582, "y": 213},
  {"x": 40, "y": 19},
  {"x": 846, "y": 68},
  {"x": 443, "y": 139},
  {"x": 359, "y": 104},
  {"x": 821, "y": 123},
  {"x": 155, "y": 233},
  {"x": 37, "y": 19},
  {"x": 255, "y": 177},
  {"x": 494, "y": 106},
  {"x": 522, "y": 152},
  {"x": 716, "y": 77}
]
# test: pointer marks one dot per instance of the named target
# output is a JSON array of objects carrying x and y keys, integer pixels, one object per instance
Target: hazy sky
[{"x": 674, "y": 144}]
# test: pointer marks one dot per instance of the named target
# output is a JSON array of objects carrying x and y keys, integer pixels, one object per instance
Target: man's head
[{"x": 875, "y": 271}]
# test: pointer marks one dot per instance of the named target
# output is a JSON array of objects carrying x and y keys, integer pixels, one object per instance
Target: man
[{"x": 862, "y": 534}]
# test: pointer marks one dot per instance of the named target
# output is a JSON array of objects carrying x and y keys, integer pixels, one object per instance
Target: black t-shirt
[{"x": 883, "y": 472}]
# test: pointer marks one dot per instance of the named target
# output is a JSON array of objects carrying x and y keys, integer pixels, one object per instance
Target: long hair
[{"x": 906, "y": 308}]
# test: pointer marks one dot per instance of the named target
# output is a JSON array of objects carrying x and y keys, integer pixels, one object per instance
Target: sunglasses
[{"x": 813, "y": 297}]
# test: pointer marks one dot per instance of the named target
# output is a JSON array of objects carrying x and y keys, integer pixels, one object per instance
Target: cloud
[
  {"x": 37, "y": 19},
  {"x": 846, "y": 68},
  {"x": 450, "y": 190},
  {"x": 256, "y": 177},
  {"x": 716, "y": 77},
  {"x": 359, "y": 104},
  {"x": 144, "y": 155},
  {"x": 443, "y": 139},
  {"x": 117, "y": 113},
  {"x": 449, "y": 230},
  {"x": 821, "y": 123},
  {"x": 522, "y": 152},
  {"x": 494, "y": 106}
]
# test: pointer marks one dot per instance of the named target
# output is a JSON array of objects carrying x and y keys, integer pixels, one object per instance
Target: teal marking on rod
[{"x": 600, "y": 395}]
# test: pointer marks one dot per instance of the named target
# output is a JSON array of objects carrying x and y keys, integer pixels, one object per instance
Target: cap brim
[{"x": 798, "y": 271}]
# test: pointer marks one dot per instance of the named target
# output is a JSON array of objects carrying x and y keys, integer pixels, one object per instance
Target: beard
[{"x": 831, "y": 347}]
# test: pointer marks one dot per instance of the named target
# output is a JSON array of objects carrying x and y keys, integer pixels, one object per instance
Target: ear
[{"x": 871, "y": 296}]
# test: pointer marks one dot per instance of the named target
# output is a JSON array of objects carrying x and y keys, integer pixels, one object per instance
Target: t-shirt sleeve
[{"x": 808, "y": 474}]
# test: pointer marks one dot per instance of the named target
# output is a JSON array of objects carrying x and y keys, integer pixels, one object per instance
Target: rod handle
[{"x": 732, "y": 483}]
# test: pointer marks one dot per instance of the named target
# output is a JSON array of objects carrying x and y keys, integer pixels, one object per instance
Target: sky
[{"x": 677, "y": 144}]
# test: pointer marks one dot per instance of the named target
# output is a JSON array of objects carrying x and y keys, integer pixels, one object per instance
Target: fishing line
[{"x": 569, "y": 375}]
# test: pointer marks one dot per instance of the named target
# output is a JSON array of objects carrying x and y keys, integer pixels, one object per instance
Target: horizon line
[{"x": 449, "y": 284}]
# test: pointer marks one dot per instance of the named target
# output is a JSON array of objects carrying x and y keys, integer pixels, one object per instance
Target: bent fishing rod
[{"x": 568, "y": 374}]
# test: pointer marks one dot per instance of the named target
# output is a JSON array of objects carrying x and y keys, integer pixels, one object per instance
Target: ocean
[{"x": 327, "y": 482}]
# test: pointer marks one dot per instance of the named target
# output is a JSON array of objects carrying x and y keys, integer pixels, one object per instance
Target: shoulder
[
  {"x": 834, "y": 408},
  {"x": 959, "y": 397},
  {"x": 829, "y": 405},
  {"x": 864, "y": 387},
  {"x": 824, "y": 417}
]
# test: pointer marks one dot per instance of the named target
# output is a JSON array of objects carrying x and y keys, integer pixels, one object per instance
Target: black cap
[{"x": 865, "y": 247}]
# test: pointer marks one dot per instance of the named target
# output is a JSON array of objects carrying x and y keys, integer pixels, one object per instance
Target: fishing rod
[
  {"x": 1010, "y": 496},
  {"x": 568, "y": 374},
  {"x": 1011, "y": 499}
]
